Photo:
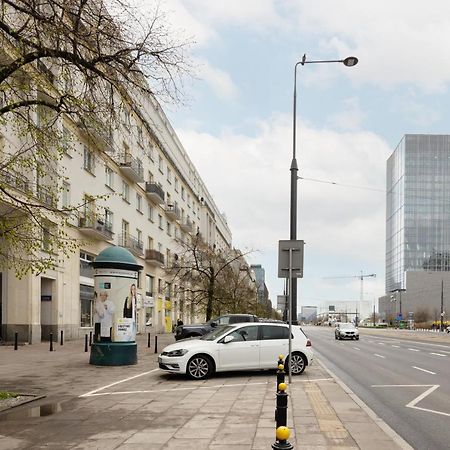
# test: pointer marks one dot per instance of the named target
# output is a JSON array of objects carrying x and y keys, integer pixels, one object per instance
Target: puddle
[{"x": 36, "y": 411}]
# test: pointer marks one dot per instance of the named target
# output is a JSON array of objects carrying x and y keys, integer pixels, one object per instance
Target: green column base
[{"x": 113, "y": 354}]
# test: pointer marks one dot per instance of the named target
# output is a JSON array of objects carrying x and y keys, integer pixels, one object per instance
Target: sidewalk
[{"x": 139, "y": 407}]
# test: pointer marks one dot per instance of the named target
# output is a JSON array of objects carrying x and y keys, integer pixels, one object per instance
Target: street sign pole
[{"x": 290, "y": 316}]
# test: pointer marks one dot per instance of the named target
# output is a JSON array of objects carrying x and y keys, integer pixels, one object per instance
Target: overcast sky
[{"x": 237, "y": 125}]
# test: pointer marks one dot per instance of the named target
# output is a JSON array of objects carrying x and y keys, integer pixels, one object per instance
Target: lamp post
[
  {"x": 349, "y": 62},
  {"x": 400, "y": 290}
]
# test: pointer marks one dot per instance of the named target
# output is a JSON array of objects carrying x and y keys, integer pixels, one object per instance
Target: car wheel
[
  {"x": 335, "y": 337},
  {"x": 199, "y": 367},
  {"x": 357, "y": 338},
  {"x": 298, "y": 363}
]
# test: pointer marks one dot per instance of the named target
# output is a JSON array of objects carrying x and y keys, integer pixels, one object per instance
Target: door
[
  {"x": 274, "y": 342},
  {"x": 241, "y": 353}
]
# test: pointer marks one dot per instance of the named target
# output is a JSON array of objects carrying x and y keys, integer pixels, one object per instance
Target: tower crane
[{"x": 361, "y": 276}]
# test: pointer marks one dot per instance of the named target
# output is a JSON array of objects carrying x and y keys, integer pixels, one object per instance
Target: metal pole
[
  {"x": 85, "y": 342},
  {"x": 148, "y": 341},
  {"x": 290, "y": 315},
  {"x": 16, "y": 338},
  {"x": 156, "y": 344},
  {"x": 62, "y": 337},
  {"x": 51, "y": 342},
  {"x": 442, "y": 305}
]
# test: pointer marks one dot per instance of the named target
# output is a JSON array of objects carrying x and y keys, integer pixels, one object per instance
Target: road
[{"x": 405, "y": 381}]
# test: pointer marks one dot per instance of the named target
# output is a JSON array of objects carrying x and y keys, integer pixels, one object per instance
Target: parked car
[
  {"x": 200, "y": 329},
  {"x": 243, "y": 346},
  {"x": 346, "y": 330}
]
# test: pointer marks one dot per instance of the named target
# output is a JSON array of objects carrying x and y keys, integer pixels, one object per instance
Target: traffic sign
[{"x": 297, "y": 258}]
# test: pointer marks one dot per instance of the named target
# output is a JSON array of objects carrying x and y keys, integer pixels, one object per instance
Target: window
[
  {"x": 274, "y": 332},
  {"x": 150, "y": 212},
  {"x": 86, "y": 269},
  {"x": 127, "y": 119},
  {"x": 140, "y": 138},
  {"x": 150, "y": 152},
  {"x": 160, "y": 288},
  {"x": 182, "y": 192},
  {"x": 149, "y": 282},
  {"x": 125, "y": 191},
  {"x": 46, "y": 238},
  {"x": 86, "y": 299},
  {"x": 125, "y": 230},
  {"x": 139, "y": 235},
  {"x": 65, "y": 194},
  {"x": 160, "y": 247},
  {"x": 249, "y": 333},
  {"x": 160, "y": 221},
  {"x": 150, "y": 243},
  {"x": 139, "y": 202},
  {"x": 169, "y": 175},
  {"x": 177, "y": 187},
  {"x": 169, "y": 229},
  {"x": 89, "y": 160},
  {"x": 109, "y": 177},
  {"x": 150, "y": 177},
  {"x": 66, "y": 139},
  {"x": 109, "y": 219},
  {"x": 160, "y": 164},
  {"x": 189, "y": 200}
]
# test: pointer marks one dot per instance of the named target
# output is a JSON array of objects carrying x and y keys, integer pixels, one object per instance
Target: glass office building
[{"x": 417, "y": 207}]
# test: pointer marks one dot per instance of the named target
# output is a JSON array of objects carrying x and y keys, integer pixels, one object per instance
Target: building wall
[{"x": 38, "y": 305}]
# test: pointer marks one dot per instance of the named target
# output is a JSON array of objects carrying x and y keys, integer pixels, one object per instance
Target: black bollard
[
  {"x": 282, "y": 435},
  {"x": 282, "y": 405},
  {"x": 148, "y": 341},
  {"x": 62, "y": 337},
  {"x": 85, "y": 342},
  {"x": 16, "y": 338},
  {"x": 156, "y": 344},
  {"x": 90, "y": 338},
  {"x": 51, "y": 342}
]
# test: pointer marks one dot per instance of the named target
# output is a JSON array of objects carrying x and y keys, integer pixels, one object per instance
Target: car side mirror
[
  {"x": 228, "y": 338},
  {"x": 214, "y": 324}
]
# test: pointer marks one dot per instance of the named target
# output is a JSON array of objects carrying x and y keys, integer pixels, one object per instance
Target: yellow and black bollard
[
  {"x": 282, "y": 435},
  {"x": 281, "y": 376}
]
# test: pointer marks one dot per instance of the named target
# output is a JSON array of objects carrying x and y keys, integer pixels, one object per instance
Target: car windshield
[
  {"x": 347, "y": 326},
  {"x": 216, "y": 333}
]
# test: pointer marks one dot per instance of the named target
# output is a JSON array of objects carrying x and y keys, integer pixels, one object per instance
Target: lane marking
[
  {"x": 396, "y": 346},
  {"x": 424, "y": 370},
  {"x": 381, "y": 343},
  {"x": 437, "y": 354},
  {"x": 356, "y": 348},
  {"x": 379, "y": 356},
  {"x": 88, "y": 394},
  {"x": 412, "y": 404},
  {"x": 414, "y": 349}
]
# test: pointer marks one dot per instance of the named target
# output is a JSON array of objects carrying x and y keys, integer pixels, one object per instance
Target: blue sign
[{"x": 399, "y": 317}]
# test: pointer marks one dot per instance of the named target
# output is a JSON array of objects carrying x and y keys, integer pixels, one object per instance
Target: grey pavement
[{"x": 141, "y": 407}]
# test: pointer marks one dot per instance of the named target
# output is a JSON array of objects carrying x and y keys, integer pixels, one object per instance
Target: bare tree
[
  {"x": 422, "y": 315},
  {"x": 209, "y": 277},
  {"x": 81, "y": 62}
]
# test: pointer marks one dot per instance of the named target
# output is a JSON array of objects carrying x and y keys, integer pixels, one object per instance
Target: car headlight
[{"x": 180, "y": 352}]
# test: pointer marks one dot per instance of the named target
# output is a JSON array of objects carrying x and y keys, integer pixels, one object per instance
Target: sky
[{"x": 236, "y": 123}]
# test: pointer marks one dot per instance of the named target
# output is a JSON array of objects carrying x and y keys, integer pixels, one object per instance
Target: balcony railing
[
  {"x": 132, "y": 168},
  {"x": 44, "y": 194},
  {"x": 131, "y": 243},
  {"x": 153, "y": 257},
  {"x": 173, "y": 212},
  {"x": 187, "y": 226},
  {"x": 155, "y": 193},
  {"x": 96, "y": 227},
  {"x": 15, "y": 180},
  {"x": 101, "y": 134}
]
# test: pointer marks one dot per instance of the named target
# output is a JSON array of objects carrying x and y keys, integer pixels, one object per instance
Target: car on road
[
  {"x": 200, "y": 329},
  {"x": 242, "y": 346},
  {"x": 346, "y": 330}
]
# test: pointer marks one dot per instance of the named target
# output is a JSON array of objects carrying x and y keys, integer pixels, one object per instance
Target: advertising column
[{"x": 115, "y": 308}]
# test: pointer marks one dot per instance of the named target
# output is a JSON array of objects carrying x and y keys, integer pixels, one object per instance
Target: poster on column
[{"x": 115, "y": 299}]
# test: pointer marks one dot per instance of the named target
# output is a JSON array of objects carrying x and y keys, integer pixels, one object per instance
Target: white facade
[{"x": 153, "y": 195}]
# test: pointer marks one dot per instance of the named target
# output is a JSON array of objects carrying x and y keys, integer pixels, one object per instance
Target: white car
[
  {"x": 346, "y": 330},
  {"x": 242, "y": 346}
]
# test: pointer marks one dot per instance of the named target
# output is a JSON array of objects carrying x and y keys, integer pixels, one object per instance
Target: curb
[
  {"x": 378, "y": 420},
  {"x": 21, "y": 402}
]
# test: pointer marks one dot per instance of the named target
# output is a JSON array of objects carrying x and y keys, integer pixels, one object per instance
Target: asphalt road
[{"x": 405, "y": 382}]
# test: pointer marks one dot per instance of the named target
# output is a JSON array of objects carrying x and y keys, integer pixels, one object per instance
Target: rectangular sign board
[
  {"x": 281, "y": 302},
  {"x": 297, "y": 258}
]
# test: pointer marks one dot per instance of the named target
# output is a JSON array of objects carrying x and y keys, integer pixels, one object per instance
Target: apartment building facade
[{"x": 148, "y": 197}]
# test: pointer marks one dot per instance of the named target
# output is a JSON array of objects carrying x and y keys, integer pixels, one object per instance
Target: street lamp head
[{"x": 350, "y": 61}]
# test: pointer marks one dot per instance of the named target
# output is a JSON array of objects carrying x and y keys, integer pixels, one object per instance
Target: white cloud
[
  {"x": 350, "y": 118},
  {"x": 250, "y": 180},
  {"x": 219, "y": 81}
]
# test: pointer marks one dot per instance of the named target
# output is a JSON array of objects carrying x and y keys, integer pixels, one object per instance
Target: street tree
[
  {"x": 210, "y": 278},
  {"x": 65, "y": 64}
]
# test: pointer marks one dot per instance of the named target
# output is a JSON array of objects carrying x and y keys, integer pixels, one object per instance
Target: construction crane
[{"x": 361, "y": 276}]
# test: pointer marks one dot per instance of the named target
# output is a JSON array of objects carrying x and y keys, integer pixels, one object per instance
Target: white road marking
[
  {"x": 424, "y": 370},
  {"x": 88, "y": 394},
  {"x": 412, "y": 404},
  {"x": 356, "y": 348},
  {"x": 437, "y": 354},
  {"x": 381, "y": 343},
  {"x": 379, "y": 356},
  {"x": 396, "y": 346},
  {"x": 414, "y": 349}
]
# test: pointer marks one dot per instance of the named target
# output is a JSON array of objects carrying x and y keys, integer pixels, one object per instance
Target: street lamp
[
  {"x": 349, "y": 62},
  {"x": 400, "y": 300}
]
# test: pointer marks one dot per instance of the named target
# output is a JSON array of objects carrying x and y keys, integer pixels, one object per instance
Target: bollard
[
  {"x": 282, "y": 435},
  {"x": 156, "y": 344},
  {"x": 51, "y": 342},
  {"x": 62, "y": 337},
  {"x": 281, "y": 375},
  {"x": 16, "y": 338},
  {"x": 90, "y": 338},
  {"x": 85, "y": 342},
  {"x": 148, "y": 341}
]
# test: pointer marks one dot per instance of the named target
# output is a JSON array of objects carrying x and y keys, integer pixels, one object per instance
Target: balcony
[
  {"x": 154, "y": 258},
  {"x": 173, "y": 212},
  {"x": 131, "y": 243},
  {"x": 15, "y": 180},
  {"x": 132, "y": 168},
  {"x": 187, "y": 226},
  {"x": 45, "y": 195},
  {"x": 154, "y": 193},
  {"x": 96, "y": 228},
  {"x": 98, "y": 132}
]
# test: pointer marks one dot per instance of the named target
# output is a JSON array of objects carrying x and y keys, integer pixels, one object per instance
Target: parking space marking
[
  {"x": 379, "y": 356},
  {"x": 424, "y": 370},
  {"x": 437, "y": 354}
]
